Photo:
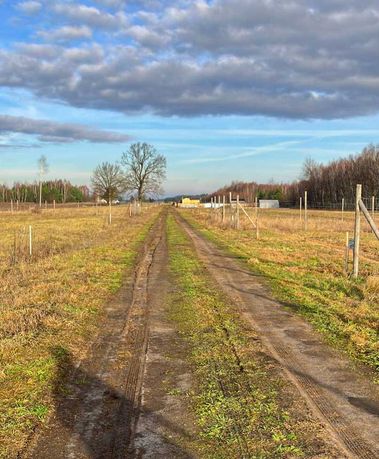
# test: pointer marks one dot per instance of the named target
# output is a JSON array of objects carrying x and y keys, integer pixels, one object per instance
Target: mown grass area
[
  {"x": 242, "y": 406},
  {"x": 305, "y": 270},
  {"x": 54, "y": 301}
]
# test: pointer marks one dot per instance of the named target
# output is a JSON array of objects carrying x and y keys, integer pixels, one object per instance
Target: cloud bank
[
  {"x": 296, "y": 59},
  {"x": 47, "y": 131}
]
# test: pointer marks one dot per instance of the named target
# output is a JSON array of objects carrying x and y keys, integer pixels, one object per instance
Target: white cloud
[
  {"x": 30, "y": 7},
  {"x": 66, "y": 33},
  {"x": 53, "y": 132},
  {"x": 90, "y": 16}
]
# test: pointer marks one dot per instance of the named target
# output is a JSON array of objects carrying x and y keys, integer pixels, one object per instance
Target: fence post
[
  {"x": 347, "y": 253},
  {"x": 231, "y": 210},
  {"x": 218, "y": 207},
  {"x": 12, "y": 206},
  {"x": 223, "y": 209},
  {"x": 357, "y": 230},
  {"x": 301, "y": 206},
  {"x": 256, "y": 206},
  {"x": 342, "y": 207},
  {"x": 256, "y": 222},
  {"x": 54, "y": 204},
  {"x": 238, "y": 212},
  {"x": 30, "y": 241},
  {"x": 305, "y": 210},
  {"x": 373, "y": 206}
]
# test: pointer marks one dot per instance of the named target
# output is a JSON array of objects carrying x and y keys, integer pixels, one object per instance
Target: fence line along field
[
  {"x": 306, "y": 267},
  {"x": 51, "y": 302}
]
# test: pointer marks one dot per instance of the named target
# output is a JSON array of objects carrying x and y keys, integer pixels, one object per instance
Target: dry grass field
[
  {"x": 50, "y": 303},
  {"x": 305, "y": 269}
]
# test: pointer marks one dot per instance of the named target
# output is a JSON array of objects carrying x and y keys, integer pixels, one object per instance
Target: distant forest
[
  {"x": 326, "y": 184},
  {"x": 59, "y": 190}
]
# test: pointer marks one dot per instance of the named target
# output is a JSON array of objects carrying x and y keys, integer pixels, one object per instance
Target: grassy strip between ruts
[
  {"x": 243, "y": 407},
  {"x": 56, "y": 303},
  {"x": 310, "y": 280}
]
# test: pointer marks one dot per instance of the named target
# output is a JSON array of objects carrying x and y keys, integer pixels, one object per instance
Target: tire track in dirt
[
  {"x": 97, "y": 407},
  {"x": 165, "y": 427},
  {"x": 341, "y": 395}
]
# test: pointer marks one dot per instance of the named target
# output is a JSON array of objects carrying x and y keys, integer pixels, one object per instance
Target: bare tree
[
  {"x": 108, "y": 181},
  {"x": 145, "y": 170},
  {"x": 43, "y": 168}
]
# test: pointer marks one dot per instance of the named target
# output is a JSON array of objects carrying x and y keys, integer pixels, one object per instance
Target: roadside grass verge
[
  {"x": 243, "y": 407},
  {"x": 305, "y": 272},
  {"x": 55, "y": 302}
]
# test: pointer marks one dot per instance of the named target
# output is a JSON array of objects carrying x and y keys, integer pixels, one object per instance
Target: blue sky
[{"x": 227, "y": 90}]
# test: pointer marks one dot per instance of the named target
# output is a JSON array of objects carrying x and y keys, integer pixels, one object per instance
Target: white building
[{"x": 269, "y": 204}]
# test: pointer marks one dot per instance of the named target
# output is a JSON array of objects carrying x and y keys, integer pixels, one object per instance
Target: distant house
[
  {"x": 269, "y": 204},
  {"x": 188, "y": 202}
]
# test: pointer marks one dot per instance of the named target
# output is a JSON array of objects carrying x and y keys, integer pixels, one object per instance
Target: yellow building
[{"x": 188, "y": 202}]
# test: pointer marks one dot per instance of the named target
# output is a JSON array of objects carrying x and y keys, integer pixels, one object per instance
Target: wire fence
[{"x": 315, "y": 205}]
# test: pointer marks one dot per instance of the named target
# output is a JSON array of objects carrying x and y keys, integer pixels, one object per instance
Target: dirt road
[
  {"x": 115, "y": 404},
  {"x": 99, "y": 399},
  {"x": 341, "y": 395}
]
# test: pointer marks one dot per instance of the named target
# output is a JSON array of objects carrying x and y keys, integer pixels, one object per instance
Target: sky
[{"x": 225, "y": 89}]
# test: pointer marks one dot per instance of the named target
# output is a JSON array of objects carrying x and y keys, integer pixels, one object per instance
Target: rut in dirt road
[
  {"x": 341, "y": 395},
  {"x": 97, "y": 408}
]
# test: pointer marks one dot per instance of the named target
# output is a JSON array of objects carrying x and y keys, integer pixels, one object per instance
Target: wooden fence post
[
  {"x": 373, "y": 206},
  {"x": 238, "y": 212},
  {"x": 30, "y": 241},
  {"x": 347, "y": 253},
  {"x": 218, "y": 208},
  {"x": 256, "y": 222},
  {"x": 305, "y": 210},
  {"x": 301, "y": 207},
  {"x": 223, "y": 209},
  {"x": 231, "y": 210},
  {"x": 357, "y": 230}
]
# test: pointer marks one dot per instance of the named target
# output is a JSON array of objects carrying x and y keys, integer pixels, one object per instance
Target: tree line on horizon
[
  {"x": 326, "y": 184},
  {"x": 60, "y": 191}
]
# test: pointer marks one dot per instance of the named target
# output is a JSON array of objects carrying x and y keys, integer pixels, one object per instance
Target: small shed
[{"x": 269, "y": 204}]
